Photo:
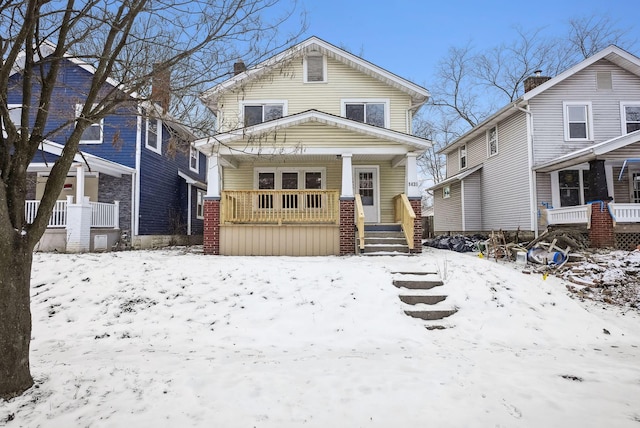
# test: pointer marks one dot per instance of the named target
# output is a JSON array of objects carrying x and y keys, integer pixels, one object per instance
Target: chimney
[
  {"x": 239, "y": 67},
  {"x": 161, "y": 86},
  {"x": 534, "y": 81}
]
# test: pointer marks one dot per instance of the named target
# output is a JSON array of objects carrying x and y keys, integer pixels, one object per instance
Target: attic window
[{"x": 315, "y": 68}]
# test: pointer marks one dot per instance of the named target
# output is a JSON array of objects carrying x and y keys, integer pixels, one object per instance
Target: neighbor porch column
[
  {"x": 412, "y": 188},
  {"x": 347, "y": 209},
  {"x": 78, "y": 225},
  {"x": 79, "y": 183},
  {"x": 211, "y": 234},
  {"x": 601, "y": 233}
]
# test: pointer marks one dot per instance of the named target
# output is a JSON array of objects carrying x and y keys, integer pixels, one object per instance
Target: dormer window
[
  {"x": 372, "y": 112},
  {"x": 255, "y": 112},
  {"x": 315, "y": 68}
]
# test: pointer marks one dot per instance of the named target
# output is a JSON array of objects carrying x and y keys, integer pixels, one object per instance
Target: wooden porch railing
[
  {"x": 280, "y": 206},
  {"x": 360, "y": 220},
  {"x": 406, "y": 216},
  {"x": 567, "y": 215}
]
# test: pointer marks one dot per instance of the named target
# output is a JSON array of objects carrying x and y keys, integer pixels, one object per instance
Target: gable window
[
  {"x": 315, "y": 68},
  {"x": 193, "y": 159},
  {"x": 630, "y": 117},
  {"x": 199, "y": 204},
  {"x": 262, "y": 111},
  {"x": 93, "y": 133},
  {"x": 492, "y": 141},
  {"x": 372, "y": 112},
  {"x": 462, "y": 155},
  {"x": 446, "y": 192},
  {"x": 153, "y": 140},
  {"x": 577, "y": 121}
]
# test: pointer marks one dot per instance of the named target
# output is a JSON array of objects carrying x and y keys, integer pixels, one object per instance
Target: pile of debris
[{"x": 459, "y": 243}]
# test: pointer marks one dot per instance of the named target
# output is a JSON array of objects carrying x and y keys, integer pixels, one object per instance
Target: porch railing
[
  {"x": 360, "y": 220},
  {"x": 105, "y": 215},
  {"x": 567, "y": 215},
  {"x": 58, "y": 215},
  {"x": 625, "y": 213},
  {"x": 406, "y": 216},
  {"x": 280, "y": 206},
  {"x": 102, "y": 214}
]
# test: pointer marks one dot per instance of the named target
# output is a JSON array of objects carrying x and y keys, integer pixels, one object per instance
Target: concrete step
[
  {"x": 421, "y": 285},
  {"x": 383, "y": 227},
  {"x": 416, "y": 300},
  {"x": 384, "y": 240},
  {"x": 414, "y": 273},
  {"x": 431, "y": 315},
  {"x": 389, "y": 248}
]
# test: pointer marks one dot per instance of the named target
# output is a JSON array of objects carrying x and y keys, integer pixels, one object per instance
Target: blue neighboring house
[{"x": 137, "y": 171}]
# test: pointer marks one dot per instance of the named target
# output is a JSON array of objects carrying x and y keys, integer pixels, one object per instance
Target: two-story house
[
  {"x": 314, "y": 147},
  {"x": 136, "y": 176},
  {"x": 544, "y": 159}
]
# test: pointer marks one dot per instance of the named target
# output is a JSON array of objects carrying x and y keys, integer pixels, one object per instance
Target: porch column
[
  {"x": 347, "y": 176},
  {"x": 79, "y": 183},
  {"x": 597, "y": 182},
  {"x": 213, "y": 177},
  {"x": 601, "y": 231},
  {"x": 78, "y": 226},
  {"x": 347, "y": 208},
  {"x": 412, "y": 187},
  {"x": 211, "y": 234}
]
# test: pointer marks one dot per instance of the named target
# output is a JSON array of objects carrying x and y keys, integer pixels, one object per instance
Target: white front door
[{"x": 366, "y": 184}]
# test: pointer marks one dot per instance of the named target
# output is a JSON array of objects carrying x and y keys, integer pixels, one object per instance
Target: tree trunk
[{"x": 15, "y": 316}]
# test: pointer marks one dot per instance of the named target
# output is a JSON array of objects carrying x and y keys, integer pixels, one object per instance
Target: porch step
[
  {"x": 384, "y": 239},
  {"x": 417, "y": 285}
]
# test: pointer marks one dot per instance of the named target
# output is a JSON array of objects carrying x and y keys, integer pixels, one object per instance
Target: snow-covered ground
[{"x": 173, "y": 338}]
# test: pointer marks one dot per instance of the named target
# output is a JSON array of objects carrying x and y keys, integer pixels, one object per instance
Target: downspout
[
  {"x": 532, "y": 174},
  {"x": 409, "y": 117},
  {"x": 189, "y": 208},
  {"x": 136, "y": 185}
]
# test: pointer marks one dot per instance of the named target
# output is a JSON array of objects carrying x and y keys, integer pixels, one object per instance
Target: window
[
  {"x": 635, "y": 187},
  {"x": 577, "y": 121},
  {"x": 93, "y": 133},
  {"x": 462, "y": 154},
  {"x": 492, "y": 141},
  {"x": 15, "y": 113},
  {"x": 574, "y": 187},
  {"x": 154, "y": 135},
  {"x": 446, "y": 192},
  {"x": 262, "y": 111},
  {"x": 630, "y": 117},
  {"x": 373, "y": 112},
  {"x": 194, "y": 158},
  {"x": 290, "y": 179},
  {"x": 315, "y": 68},
  {"x": 199, "y": 204}
]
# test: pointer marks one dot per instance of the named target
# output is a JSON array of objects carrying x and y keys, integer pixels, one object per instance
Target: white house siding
[
  {"x": 547, "y": 109},
  {"x": 507, "y": 205},
  {"x": 286, "y": 83},
  {"x": 448, "y": 212},
  {"x": 473, "y": 202}
]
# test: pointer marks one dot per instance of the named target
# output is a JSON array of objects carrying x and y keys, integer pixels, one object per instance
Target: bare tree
[
  {"x": 198, "y": 40},
  {"x": 590, "y": 34}
]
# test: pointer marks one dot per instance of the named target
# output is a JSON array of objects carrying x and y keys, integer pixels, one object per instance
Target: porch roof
[
  {"x": 593, "y": 152},
  {"x": 95, "y": 163},
  {"x": 458, "y": 177}
]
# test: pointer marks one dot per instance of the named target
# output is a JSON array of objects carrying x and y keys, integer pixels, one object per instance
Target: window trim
[
  {"x": 305, "y": 78},
  {"x": 200, "y": 194},
  {"x": 193, "y": 150},
  {"x": 100, "y": 123},
  {"x": 489, "y": 154},
  {"x": 623, "y": 114},
  {"x": 277, "y": 171},
  {"x": 446, "y": 192},
  {"x": 10, "y": 107},
  {"x": 158, "y": 148},
  {"x": 555, "y": 184},
  {"x": 461, "y": 157},
  {"x": 589, "y": 119},
  {"x": 262, "y": 103},
  {"x": 385, "y": 101}
]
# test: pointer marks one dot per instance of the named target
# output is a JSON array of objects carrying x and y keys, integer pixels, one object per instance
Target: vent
[
  {"x": 100, "y": 243},
  {"x": 603, "y": 79}
]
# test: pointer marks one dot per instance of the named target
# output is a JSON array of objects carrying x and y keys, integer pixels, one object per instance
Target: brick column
[
  {"x": 347, "y": 226},
  {"x": 416, "y": 204},
  {"x": 601, "y": 232},
  {"x": 211, "y": 238}
]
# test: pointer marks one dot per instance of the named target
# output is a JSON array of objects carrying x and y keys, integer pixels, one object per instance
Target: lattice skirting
[{"x": 627, "y": 241}]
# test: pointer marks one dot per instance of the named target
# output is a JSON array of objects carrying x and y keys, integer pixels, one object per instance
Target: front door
[{"x": 366, "y": 184}]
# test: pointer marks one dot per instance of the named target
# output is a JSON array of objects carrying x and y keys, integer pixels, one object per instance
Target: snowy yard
[{"x": 172, "y": 338}]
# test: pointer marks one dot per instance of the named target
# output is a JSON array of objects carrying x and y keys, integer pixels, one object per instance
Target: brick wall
[
  {"x": 347, "y": 227},
  {"x": 211, "y": 237},
  {"x": 601, "y": 232},
  {"x": 416, "y": 204},
  {"x": 117, "y": 189}
]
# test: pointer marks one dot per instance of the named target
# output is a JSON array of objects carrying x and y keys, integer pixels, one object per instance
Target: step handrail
[
  {"x": 360, "y": 220},
  {"x": 405, "y": 214}
]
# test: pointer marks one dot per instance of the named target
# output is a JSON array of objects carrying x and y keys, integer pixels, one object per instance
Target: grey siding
[
  {"x": 543, "y": 197},
  {"x": 448, "y": 212},
  {"x": 622, "y": 191},
  {"x": 472, "y": 194}
]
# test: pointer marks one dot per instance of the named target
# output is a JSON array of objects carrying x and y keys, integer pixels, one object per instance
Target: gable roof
[
  {"x": 419, "y": 95},
  {"x": 418, "y": 143},
  {"x": 612, "y": 53}
]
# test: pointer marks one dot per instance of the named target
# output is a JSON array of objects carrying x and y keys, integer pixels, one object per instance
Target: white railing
[
  {"x": 58, "y": 215},
  {"x": 567, "y": 215},
  {"x": 104, "y": 215},
  {"x": 625, "y": 213}
]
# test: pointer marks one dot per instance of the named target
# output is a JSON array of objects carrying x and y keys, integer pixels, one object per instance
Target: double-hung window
[
  {"x": 15, "y": 115},
  {"x": 372, "y": 112},
  {"x": 289, "y": 180},
  {"x": 630, "y": 117},
  {"x": 462, "y": 156},
  {"x": 578, "y": 124},
  {"x": 92, "y": 133},
  {"x": 315, "y": 68},
  {"x": 199, "y": 204},
  {"x": 153, "y": 140},
  {"x": 255, "y": 112},
  {"x": 194, "y": 159},
  {"x": 492, "y": 141}
]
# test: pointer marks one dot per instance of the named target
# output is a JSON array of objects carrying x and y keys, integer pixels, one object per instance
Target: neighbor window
[
  {"x": 154, "y": 135},
  {"x": 193, "y": 159},
  {"x": 630, "y": 117},
  {"x": 259, "y": 112},
  {"x": 369, "y": 112},
  {"x": 93, "y": 133},
  {"x": 199, "y": 204},
  {"x": 577, "y": 121},
  {"x": 492, "y": 141},
  {"x": 315, "y": 68},
  {"x": 462, "y": 154},
  {"x": 446, "y": 192},
  {"x": 15, "y": 113}
]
